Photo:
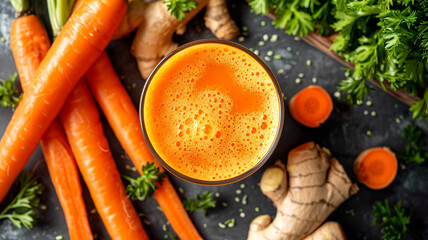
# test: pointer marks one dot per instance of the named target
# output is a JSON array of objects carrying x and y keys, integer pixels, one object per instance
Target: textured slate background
[{"x": 344, "y": 134}]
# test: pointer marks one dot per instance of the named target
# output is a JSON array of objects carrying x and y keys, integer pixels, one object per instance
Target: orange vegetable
[
  {"x": 30, "y": 43},
  {"x": 311, "y": 106},
  {"x": 81, "y": 41},
  {"x": 376, "y": 167},
  {"x": 122, "y": 116},
  {"x": 85, "y": 134}
]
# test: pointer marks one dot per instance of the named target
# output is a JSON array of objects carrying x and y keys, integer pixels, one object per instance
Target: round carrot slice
[
  {"x": 376, "y": 167},
  {"x": 311, "y": 106}
]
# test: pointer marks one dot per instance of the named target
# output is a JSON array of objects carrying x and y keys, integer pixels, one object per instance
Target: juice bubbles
[{"x": 212, "y": 112}]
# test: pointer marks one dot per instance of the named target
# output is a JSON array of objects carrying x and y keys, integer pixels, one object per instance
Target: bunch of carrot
[{"x": 76, "y": 48}]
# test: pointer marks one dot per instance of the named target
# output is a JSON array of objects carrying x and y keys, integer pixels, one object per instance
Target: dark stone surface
[{"x": 344, "y": 134}]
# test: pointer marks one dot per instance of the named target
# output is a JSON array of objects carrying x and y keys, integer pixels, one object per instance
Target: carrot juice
[{"x": 212, "y": 111}]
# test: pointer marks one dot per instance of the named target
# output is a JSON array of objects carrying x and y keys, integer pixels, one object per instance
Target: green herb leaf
[
  {"x": 202, "y": 202},
  {"x": 413, "y": 152},
  {"x": 145, "y": 185},
  {"x": 388, "y": 42},
  {"x": 21, "y": 211},
  {"x": 8, "y": 92},
  {"x": 394, "y": 222},
  {"x": 297, "y": 17},
  {"x": 178, "y": 8},
  {"x": 259, "y": 6}
]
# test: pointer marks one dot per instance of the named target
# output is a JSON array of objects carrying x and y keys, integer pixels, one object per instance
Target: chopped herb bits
[
  {"x": 274, "y": 38},
  {"x": 314, "y": 80},
  {"x": 265, "y": 37},
  {"x": 337, "y": 95},
  {"x": 244, "y": 199}
]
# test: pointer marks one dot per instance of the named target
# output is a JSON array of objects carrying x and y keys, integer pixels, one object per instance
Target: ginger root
[
  {"x": 317, "y": 185},
  {"x": 156, "y": 26},
  {"x": 153, "y": 39},
  {"x": 328, "y": 231},
  {"x": 219, "y": 21}
]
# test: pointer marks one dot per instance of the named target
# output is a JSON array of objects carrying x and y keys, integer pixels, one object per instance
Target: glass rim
[{"x": 254, "y": 168}]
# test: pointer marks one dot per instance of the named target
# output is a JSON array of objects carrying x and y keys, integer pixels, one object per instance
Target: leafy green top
[
  {"x": 179, "y": 7},
  {"x": 21, "y": 210},
  {"x": 394, "y": 223},
  {"x": 20, "y": 6},
  {"x": 298, "y": 17},
  {"x": 202, "y": 202},
  {"x": 387, "y": 41},
  {"x": 8, "y": 92},
  {"x": 145, "y": 185},
  {"x": 414, "y": 151},
  {"x": 59, "y": 12}
]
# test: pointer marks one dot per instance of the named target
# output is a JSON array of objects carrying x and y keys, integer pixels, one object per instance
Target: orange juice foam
[{"x": 211, "y": 111}]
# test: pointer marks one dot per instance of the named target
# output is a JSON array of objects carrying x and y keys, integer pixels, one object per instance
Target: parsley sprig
[
  {"x": 145, "y": 185},
  {"x": 202, "y": 202},
  {"x": 298, "y": 17},
  {"x": 21, "y": 210},
  {"x": 178, "y": 8},
  {"x": 388, "y": 42},
  {"x": 394, "y": 222},
  {"x": 413, "y": 152},
  {"x": 8, "y": 93}
]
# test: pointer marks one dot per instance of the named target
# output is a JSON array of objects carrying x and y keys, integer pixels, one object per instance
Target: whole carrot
[
  {"x": 122, "y": 116},
  {"x": 76, "y": 48},
  {"x": 84, "y": 131},
  {"x": 29, "y": 44}
]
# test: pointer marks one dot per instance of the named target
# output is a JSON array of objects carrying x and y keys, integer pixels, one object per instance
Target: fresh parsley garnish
[
  {"x": 202, "y": 202},
  {"x": 145, "y": 185},
  {"x": 8, "y": 93},
  {"x": 413, "y": 152},
  {"x": 178, "y": 8},
  {"x": 21, "y": 210},
  {"x": 394, "y": 222}
]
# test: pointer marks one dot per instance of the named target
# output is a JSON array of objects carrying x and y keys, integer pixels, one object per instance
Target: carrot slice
[
  {"x": 29, "y": 44},
  {"x": 122, "y": 116},
  {"x": 77, "y": 47},
  {"x": 376, "y": 167},
  {"x": 311, "y": 106},
  {"x": 85, "y": 133}
]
